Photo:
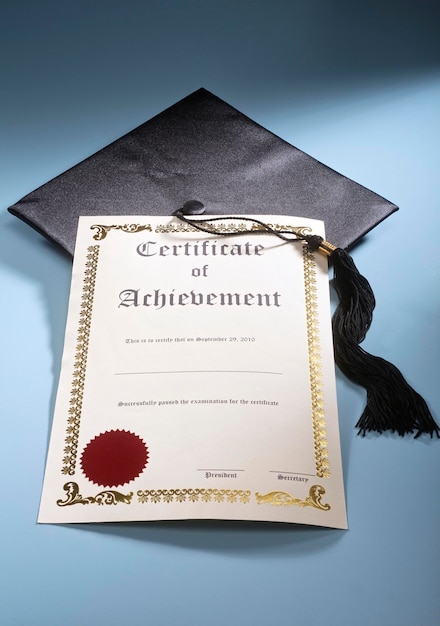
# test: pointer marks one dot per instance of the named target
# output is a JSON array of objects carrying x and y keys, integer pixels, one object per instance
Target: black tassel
[{"x": 392, "y": 404}]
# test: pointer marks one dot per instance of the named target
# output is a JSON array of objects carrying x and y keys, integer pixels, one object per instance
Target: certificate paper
[{"x": 197, "y": 379}]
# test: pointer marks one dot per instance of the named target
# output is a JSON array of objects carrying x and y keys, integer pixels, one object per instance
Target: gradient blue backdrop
[{"x": 355, "y": 84}]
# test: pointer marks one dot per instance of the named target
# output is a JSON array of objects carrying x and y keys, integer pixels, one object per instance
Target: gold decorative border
[
  {"x": 220, "y": 228},
  {"x": 315, "y": 365},
  {"x": 283, "y": 498},
  {"x": 224, "y": 229},
  {"x": 313, "y": 340},
  {"x": 108, "y": 496},
  {"x": 79, "y": 371},
  {"x": 231, "y": 496},
  {"x": 185, "y": 227},
  {"x": 103, "y": 230}
]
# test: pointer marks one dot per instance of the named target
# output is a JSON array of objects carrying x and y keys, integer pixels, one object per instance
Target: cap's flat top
[{"x": 202, "y": 148}]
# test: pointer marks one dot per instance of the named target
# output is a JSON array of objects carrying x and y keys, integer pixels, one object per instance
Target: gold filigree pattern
[
  {"x": 79, "y": 366},
  {"x": 108, "y": 496},
  {"x": 180, "y": 227},
  {"x": 294, "y": 230},
  {"x": 103, "y": 230},
  {"x": 231, "y": 496},
  {"x": 225, "y": 229},
  {"x": 283, "y": 498},
  {"x": 315, "y": 366},
  {"x": 221, "y": 228}
]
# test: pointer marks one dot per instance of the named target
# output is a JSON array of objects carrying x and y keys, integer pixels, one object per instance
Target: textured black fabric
[{"x": 202, "y": 149}]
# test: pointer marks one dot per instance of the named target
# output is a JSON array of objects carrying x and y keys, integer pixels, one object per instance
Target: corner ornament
[
  {"x": 282, "y": 498},
  {"x": 103, "y": 229},
  {"x": 109, "y": 496}
]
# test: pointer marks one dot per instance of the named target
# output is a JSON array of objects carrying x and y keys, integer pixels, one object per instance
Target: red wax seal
[{"x": 114, "y": 458}]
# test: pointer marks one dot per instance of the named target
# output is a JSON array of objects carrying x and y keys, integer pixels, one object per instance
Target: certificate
[{"x": 197, "y": 379}]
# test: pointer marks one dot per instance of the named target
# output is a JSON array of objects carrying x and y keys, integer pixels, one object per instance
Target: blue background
[{"x": 354, "y": 84}]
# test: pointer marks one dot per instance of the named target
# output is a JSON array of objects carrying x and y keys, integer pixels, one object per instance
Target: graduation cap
[{"x": 203, "y": 149}]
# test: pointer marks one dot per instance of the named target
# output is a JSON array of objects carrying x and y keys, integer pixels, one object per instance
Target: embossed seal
[{"x": 114, "y": 458}]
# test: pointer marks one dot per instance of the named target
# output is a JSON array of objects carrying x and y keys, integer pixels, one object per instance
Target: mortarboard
[
  {"x": 202, "y": 151},
  {"x": 202, "y": 148}
]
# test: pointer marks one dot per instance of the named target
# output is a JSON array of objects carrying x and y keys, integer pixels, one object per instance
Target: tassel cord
[{"x": 289, "y": 235}]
